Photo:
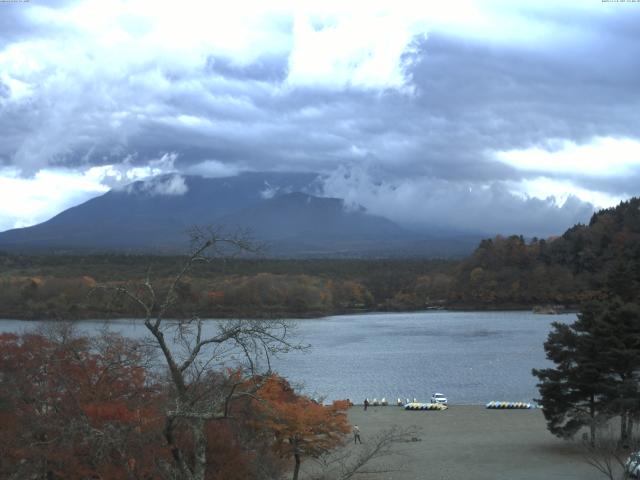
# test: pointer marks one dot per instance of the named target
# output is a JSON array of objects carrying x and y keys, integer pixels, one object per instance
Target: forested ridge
[
  {"x": 502, "y": 273},
  {"x": 566, "y": 270}
]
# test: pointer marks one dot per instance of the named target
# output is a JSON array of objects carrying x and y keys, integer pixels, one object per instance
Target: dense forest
[
  {"x": 502, "y": 273},
  {"x": 566, "y": 270}
]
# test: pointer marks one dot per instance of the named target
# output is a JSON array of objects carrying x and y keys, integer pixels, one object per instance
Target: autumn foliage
[
  {"x": 73, "y": 408},
  {"x": 77, "y": 408},
  {"x": 299, "y": 426},
  {"x": 37, "y": 287}
]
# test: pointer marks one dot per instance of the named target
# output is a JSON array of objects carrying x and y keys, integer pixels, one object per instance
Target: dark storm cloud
[
  {"x": 432, "y": 145},
  {"x": 509, "y": 99}
]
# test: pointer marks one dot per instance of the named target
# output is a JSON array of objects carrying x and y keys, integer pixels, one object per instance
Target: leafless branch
[
  {"x": 191, "y": 352},
  {"x": 366, "y": 459},
  {"x": 607, "y": 456}
]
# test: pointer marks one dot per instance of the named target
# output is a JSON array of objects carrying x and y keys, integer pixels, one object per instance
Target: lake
[{"x": 471, "y": 357}]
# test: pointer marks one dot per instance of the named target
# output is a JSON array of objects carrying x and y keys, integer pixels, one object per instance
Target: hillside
[{"x": 579, "y": 265}]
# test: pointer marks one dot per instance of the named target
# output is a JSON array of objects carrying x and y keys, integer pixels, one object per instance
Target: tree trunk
[
  {"x": 200, "y": 447},
  {"x": 296, "y": 469},
  {"x": 624, "y": 435},
  {"x": 180, "y": 462},
  {"x": 296, "y": 456},
  {"x": 592, "y": 425},
  {"x": 629, "y": 427}
]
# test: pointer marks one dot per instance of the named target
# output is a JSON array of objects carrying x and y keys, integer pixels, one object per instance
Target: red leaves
[
  {"x": 81, "y": 407},
  {"x": 99, "y": 413},
  {"x": 298, "y": 423}
]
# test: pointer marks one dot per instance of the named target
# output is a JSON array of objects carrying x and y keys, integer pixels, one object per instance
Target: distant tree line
[
  {"x": 55, "y": 287},
  {"x": 503, "y": 272}
]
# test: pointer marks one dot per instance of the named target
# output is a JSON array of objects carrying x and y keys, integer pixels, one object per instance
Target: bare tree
[
  {"x": 613, "y": 459},
  {"x": 368, "y": 459},
  {"x": 197, "y": 355}
]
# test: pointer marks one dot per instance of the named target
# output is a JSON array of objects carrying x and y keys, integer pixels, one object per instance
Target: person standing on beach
[
  {"x": 366, "y": 404},
  {"x": 356, "y": 434}
]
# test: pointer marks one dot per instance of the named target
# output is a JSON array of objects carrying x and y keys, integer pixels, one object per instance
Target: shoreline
[
  {"x": 311, "y": 315},
  {"x": 471, "y": 441}
]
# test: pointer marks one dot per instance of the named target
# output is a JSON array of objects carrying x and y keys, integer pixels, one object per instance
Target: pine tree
[
  {"x": 615, "y": 327},
  {"x": 571, "y": 393},
  {"x": 597, "y": 372}
]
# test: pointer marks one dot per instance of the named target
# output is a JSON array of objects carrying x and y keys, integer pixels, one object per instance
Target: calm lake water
[{"x": 472, "y": 357}]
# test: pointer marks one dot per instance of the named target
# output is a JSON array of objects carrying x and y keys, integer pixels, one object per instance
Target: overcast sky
[{"x": 493, "y": 116}]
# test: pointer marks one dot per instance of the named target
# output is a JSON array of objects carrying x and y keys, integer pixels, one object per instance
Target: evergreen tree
[
  {"x": 571, "y": 393},
  {"x": 597, "y": 372},
  {"x": 615, "y": 328}
]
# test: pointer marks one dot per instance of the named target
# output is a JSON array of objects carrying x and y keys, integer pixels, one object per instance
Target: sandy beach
[{"x": 476, "y": 443}]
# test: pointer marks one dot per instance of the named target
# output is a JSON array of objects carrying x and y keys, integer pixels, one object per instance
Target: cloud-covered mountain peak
[{"x": 151, "y": 216}]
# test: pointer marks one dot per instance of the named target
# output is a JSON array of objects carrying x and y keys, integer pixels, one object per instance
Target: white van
[{"x": 438, "y": 398}]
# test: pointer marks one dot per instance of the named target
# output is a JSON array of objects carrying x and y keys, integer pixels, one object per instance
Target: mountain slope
[
  {"x": 302, "y": 223},
  {"x": 143, "y": 216},
  {"x": 277, "y": 208}
]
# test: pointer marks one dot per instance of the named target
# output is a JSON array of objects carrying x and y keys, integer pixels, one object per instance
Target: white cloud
[
  {"x": 93, "y": 79},
  {"x": 431, "y": 205},
  {"x": 268, "y": 191},
  {"x": 120, "y": 65},
  {"x": 356, "y": 49},
  {"x": 334, "y": 43},
  {"x": 118, "y": 175},
  {"x": 26, "y": 201},
  {"x": 213, "y": 169},
  {"x": 602, "y": 157},
  {"x": 560, "y": 191},
  {"x": 173, "y": 185},
  {"x": 365, "y": 45}
]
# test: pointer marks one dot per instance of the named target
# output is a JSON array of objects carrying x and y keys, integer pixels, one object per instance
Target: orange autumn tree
[
  {"x": 300, "y": 426},
  {"x": 74, "y": 408}
]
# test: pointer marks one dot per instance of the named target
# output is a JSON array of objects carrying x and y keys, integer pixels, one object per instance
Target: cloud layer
[{"x": 461, "y": 116}]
